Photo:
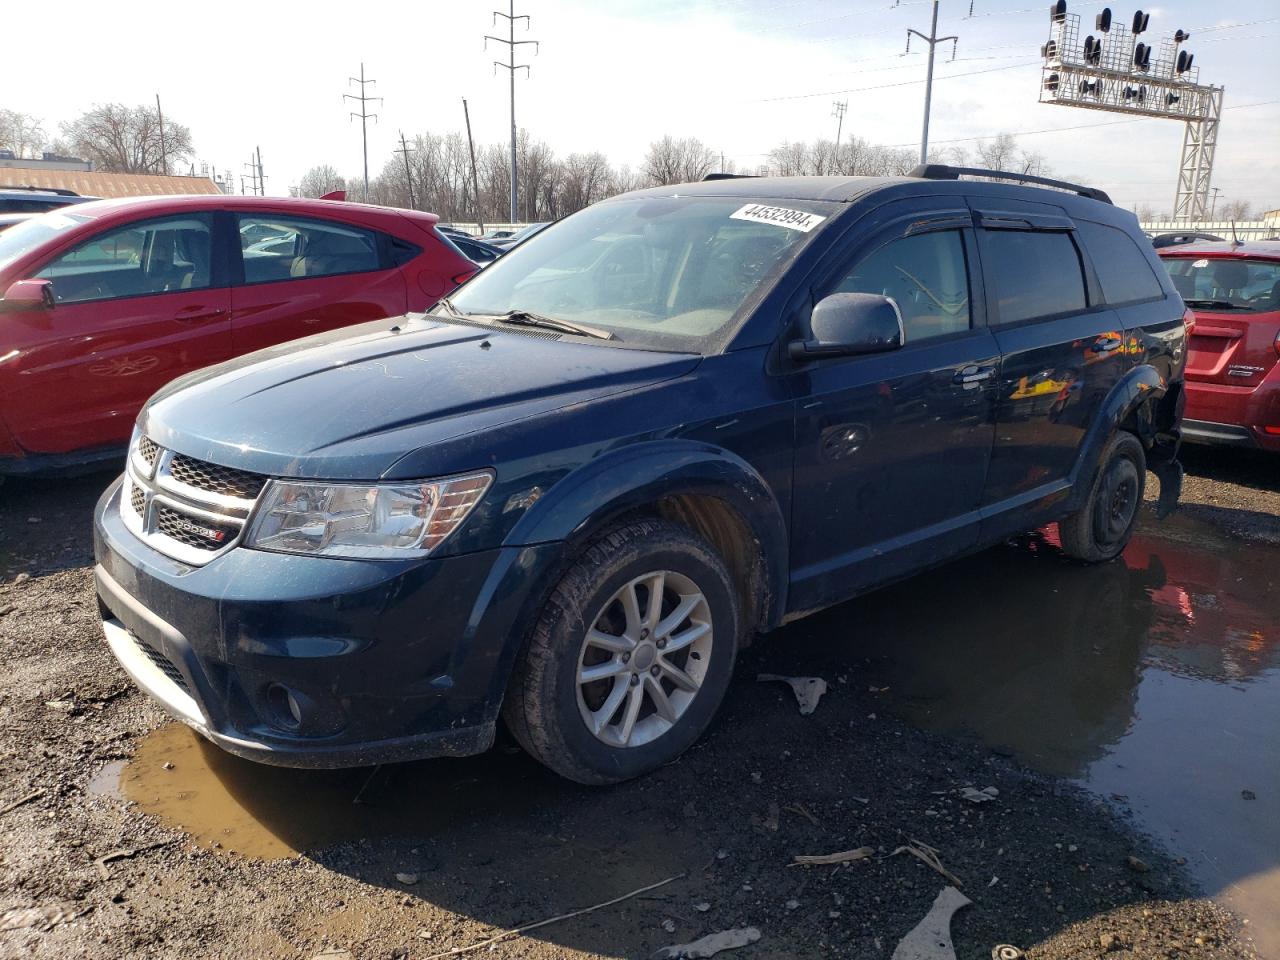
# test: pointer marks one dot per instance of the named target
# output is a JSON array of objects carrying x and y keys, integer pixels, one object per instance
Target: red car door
[
  {"x": 304, "y": 275},
  {"x": 135, "y": 306}
]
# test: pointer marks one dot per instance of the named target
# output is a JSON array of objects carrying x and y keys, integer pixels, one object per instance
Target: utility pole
[
  {"x": 837, "y": 110},
  {"x": 408, "y": 173},
  {"x": 1213, "y": 204},
  {"x": 262, "y": 180},
  {"x": 364, "y": 116},
  {"x": 932, "y": 40},
  {"x": 475, "y": 181},
  {"x": 511, "y": 67},
  {"x": 164, "y": 152},
  {"x": 253, "y": 176}
]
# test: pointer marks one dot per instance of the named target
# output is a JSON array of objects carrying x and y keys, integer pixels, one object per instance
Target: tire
[
  {"x": 1101, "y": 528},
  {"x": 579, "y": 727}
]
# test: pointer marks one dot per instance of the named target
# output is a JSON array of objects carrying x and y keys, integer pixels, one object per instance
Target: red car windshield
[
  {"x": 21, "y": 239},
  {"x": 1227, "y": 283}
]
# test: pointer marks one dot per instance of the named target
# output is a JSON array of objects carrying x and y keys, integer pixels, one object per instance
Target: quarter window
[
  {"x": 925, "y": 275},
  {"x": 1033, "y": 273},
  {"x": 290, "y": 248},
  {"x": 1123, "y": 271},
  {"x": 156, "y": 256}
]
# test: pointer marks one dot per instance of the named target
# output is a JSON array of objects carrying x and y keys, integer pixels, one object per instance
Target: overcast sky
[{"x": 613, "y": 75}]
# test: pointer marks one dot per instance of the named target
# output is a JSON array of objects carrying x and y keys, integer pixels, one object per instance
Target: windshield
[
  {"x": 21, "y": 239},
  {"x": 664, "y": 273},
  {"x": 1221, "y": 283}
]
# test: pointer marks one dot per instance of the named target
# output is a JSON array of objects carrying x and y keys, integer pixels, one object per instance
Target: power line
[
  {"x": 364, "y": 116},
  {"x": 511, "y": 67},
  {"x": 903, "y": 83}
]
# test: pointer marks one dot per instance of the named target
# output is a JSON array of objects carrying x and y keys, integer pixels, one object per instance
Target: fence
[{"x": 1244, "y": 229}]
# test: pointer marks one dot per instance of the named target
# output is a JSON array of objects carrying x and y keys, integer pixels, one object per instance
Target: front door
[
  {"x": 892, "y": 448},
  {"x": 1062, "y": 353},
  {"x": 135, "y": 306}
]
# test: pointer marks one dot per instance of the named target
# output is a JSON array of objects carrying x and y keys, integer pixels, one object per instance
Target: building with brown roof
[{"x": 95, "y": 183}]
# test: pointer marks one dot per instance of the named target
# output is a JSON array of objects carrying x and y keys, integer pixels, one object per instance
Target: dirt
[{"x": 493, "y": 842}]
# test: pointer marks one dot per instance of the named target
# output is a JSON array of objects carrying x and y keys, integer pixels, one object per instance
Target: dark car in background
[
  {"x": 477, "y": 251},
  {"x": 104, "y": 303},
  {"x": 1233, "y": 373},
  {"x": 572, "y": 492},
  {"x": 23, "y": 199}
]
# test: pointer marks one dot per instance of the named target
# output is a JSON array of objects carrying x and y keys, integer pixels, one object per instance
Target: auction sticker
[
  {"x": 778, "y": 216},
  {"x": 1200, "y": 264}
]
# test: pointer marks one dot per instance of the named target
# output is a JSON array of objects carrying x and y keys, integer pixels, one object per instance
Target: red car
[
  {"x": 1233, "y": 379},
  {"x": 106, "y": 302}
]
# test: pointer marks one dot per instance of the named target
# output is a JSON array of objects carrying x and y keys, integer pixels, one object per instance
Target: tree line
[{"x": 116, "y": 137}]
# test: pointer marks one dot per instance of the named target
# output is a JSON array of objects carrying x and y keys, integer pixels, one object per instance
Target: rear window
[
  {"x": 1226, "y": 283},
  {"x": 1034, "y": 274},
  {"x": 1124, "y": 272}
]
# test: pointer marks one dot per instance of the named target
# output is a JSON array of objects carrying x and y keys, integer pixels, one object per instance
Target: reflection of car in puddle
[{"x": 1047, "y": 666}]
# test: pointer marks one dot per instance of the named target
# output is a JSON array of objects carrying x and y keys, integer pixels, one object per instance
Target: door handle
[
  {"x": 972, "y": 374},
  {"x": 197, "y": 314},
  {"x": 1107, "y": 344}
]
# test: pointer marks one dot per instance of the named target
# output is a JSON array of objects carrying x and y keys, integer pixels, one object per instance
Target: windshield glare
[
  {"x": 1243, "y": 284},
  {"x": 22, "y": 238},
  {"x": 665, "y": 273}
]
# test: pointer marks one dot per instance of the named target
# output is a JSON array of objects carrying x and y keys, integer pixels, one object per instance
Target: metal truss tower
[{"x": 1115, "y": 72}]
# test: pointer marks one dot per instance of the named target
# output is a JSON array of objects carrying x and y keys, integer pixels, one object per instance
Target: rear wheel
[
  {"x": 1101, "y": 528},
  {"x": 630, "y": 658}
]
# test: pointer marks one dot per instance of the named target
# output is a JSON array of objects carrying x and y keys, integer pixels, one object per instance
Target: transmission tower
[
  {"x": 1116, "y": 72},
  {"x": 365, "y": 116},
  {"x": 511, "y": 67}
]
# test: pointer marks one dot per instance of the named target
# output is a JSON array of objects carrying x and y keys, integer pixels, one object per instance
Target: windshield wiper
[
  {"x": 452, "y": 310},
  {"x": 1213, "y": 304},
  {"x": 524, "y": 318}
]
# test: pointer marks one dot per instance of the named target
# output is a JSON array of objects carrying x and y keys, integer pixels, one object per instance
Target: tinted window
[
  {"x": 156, "y": 256},
  {"x": 1122, "y": 269},
  {"x": 925, "y": 275},
  {"x": 29, "y": 204},
  {"x": 1033, "y": 274},
  {"x": 292, "y": 248}
]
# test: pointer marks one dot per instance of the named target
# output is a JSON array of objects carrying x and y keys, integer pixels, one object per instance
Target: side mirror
[
  {"x": 27, "y": 295},
  {"x": 848, "y": 325}
]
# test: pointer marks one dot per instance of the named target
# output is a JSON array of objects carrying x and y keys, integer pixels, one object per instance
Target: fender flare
[
  {"x": 634, "y": 478},
  {"x": 1134, "y": 397}
]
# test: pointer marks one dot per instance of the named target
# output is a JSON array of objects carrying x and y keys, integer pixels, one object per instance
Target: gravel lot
[{"x": 489, "y": 843}]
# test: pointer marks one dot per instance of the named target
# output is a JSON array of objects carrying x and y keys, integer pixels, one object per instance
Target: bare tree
[
  {"x": 124, "y": 139},
  {"x": 21, "y": 133},
  {"x": 1144, "y": 212},
  {"x": 318, "y": 181},
  {"x": 1234, "y": 210},
  {"x": 672, "y": 160}
]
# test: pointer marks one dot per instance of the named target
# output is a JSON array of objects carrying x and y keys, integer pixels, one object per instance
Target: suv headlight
[{"x": 388, "y": 521}]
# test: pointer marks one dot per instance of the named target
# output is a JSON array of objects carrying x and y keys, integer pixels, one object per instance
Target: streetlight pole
[{"x": 932, "y": 40}]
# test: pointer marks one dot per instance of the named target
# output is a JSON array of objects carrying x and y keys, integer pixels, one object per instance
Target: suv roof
[{"x": 1267, "y": 249}]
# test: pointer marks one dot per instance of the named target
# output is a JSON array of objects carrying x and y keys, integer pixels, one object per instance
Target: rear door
[
  {"x": 1061, "y": 353},
  {"x": 1237, "y": 307},
  {"x": 892, "y": 449},
  {"x": 305, "y": 275},
  {"x": 135, "y": 306}
]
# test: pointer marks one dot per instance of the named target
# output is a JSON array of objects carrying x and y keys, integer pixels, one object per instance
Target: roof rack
[
  {"x": 940, "y": 171},
  {"x": 727, "y": 176},
  {"x": 24, "y": 186}
]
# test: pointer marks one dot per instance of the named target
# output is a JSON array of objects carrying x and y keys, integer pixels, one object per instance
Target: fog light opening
[{"x": 285, "y": 709}]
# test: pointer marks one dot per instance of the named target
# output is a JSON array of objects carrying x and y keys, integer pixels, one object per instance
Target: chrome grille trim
[{"x": 161, "y": 496}]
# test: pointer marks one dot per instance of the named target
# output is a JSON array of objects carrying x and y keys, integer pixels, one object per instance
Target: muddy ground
[{"x": 445, "y": 854}]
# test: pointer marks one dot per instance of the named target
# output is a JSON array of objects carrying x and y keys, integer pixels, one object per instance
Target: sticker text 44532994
[{"x": 778, "y": 216}]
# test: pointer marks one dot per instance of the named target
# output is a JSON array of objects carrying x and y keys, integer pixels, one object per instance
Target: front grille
[
  {"x": 163, "y": 664},
  {"x": 224, "y": 481},
  {"x": 193, "y": 531},
  {"x": 137, "y": 499},
  {"x": 148, "y": 450}
]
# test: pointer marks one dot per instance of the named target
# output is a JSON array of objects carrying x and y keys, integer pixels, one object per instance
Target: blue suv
[{"x": 568, "y": 495}]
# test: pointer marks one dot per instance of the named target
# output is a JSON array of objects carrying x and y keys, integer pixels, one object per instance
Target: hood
[{"x": 349, "y": 403}]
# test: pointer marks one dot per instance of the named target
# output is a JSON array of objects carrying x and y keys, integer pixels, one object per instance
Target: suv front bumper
[{"x": 316, "y": 662}]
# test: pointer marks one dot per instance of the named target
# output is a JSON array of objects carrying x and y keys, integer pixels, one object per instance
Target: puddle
[
  {"x": 1155, "y": 678},
  {"x": 274, "y": 812}
]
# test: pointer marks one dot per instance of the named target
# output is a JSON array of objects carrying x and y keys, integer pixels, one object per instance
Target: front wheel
[
  {"x": 1101, "y": 528},
  {"x": 630, "y": 658}
]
